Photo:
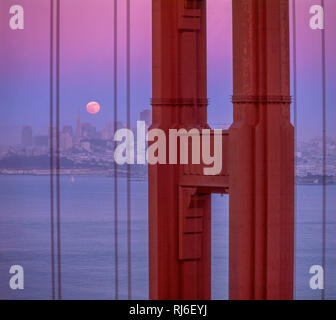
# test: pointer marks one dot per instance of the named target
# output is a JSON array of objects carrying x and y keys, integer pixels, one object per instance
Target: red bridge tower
[{"x": 258, "y": 159}]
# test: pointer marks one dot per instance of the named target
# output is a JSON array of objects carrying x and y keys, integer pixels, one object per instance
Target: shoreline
[
  {"x": 66, "y": 172},
  {"x": 110, "y": 174}
]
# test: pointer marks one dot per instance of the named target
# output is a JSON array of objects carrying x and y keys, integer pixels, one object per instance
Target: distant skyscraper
[
  {"x": 108, "y": 131},
  {"x": 41, "y": 141},
  {"x": 68, "y": 129},
  {"x": 66, "y": 141},
  {"x": 78, "y": 133},
  {"x": 146, "y": 115},
  {"x": 27, "y": 136},
  {"x": 120, "y": 125},
  {"x": 52, "y": 133},
  {"x": 89, "y": 131}
]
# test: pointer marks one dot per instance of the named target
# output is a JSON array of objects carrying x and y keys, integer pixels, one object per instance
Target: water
[{"x": 88, "y": 238}]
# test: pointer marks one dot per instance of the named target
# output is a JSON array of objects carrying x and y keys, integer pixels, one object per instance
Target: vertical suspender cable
[
  {"x": 51, "y": 149},
  {"x": 128, "y": 93},
  {"x": 115, "y": 164},
  {"x": 324, "y": 150},
  {"x": 58, "y": 150},
  {"x": 295, "y": 130}
]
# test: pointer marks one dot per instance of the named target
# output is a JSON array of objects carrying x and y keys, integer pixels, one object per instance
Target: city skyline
[
  {"x": 145, "y": 115},
  {"x": 78, "y": 130},
  {"x": 92, "y": 152}
]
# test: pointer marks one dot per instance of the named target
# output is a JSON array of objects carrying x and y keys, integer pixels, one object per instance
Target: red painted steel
[
  {"x": 258, "y": 159},
  {"x": 179, "y": 217},
  {"x": 261, "y": 165}
]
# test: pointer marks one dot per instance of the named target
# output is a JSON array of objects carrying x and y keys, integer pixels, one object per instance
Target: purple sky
[{"x": 87, "y": 64}]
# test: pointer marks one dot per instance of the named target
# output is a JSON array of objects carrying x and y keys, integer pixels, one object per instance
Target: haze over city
[{"x": 87, "y": 65}]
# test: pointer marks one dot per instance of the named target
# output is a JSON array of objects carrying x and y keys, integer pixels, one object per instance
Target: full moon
[{"x": 93, "y": 107}]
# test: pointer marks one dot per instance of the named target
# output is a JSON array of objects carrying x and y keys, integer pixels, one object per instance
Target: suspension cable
[
  {"x": 115, "y": 115},
  {"x": 59, "y": 271},
  {"x": 324, "y": 150},
  {"x": 51, "y": 148},
  {"x": 128, "y": 89}
]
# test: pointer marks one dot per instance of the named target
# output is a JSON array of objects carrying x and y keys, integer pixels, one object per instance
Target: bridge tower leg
[
  {"x": 261, "y": 151},
  {"x": 261, "y": 154},
  {"x": 179, "y": 254}
]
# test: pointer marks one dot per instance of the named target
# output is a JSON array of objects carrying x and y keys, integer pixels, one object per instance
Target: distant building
[
  {"x": 86, "y": 145},
  {"x": 120, "y": 125},
  {"x": 88, "y": 131},
  {"x": 41, "y": 141},
  {"x": 78, "y": 133},
  {"x": 108, "y": 131},
  {"x": 66, "y": 142},
  {"x": 27, "y": 136},
  {"x": 68, "y": 129},
  {"x": 146, "y": 115},
  {"x": 52, "y": 134},
  {"x": 99, "y": 135}
]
